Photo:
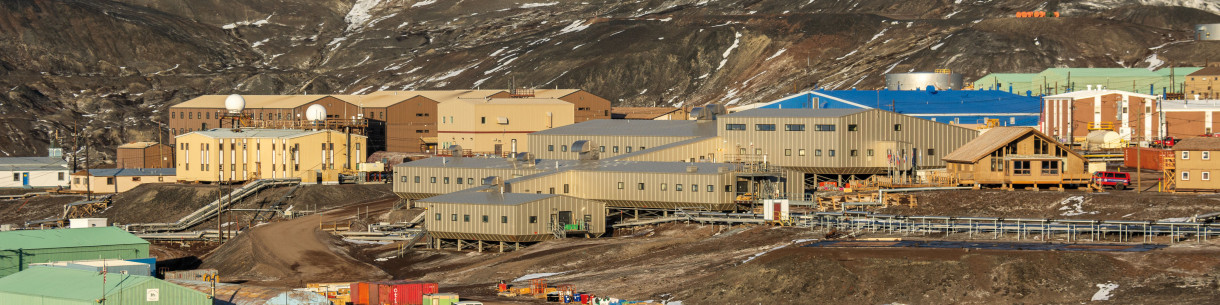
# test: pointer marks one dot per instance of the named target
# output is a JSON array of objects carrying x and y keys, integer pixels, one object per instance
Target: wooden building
[
  {"x": 145, "y": 155},
  {"x": 1204, "y": 83},
  {"x": 224, "y": 155},
  {"x": 1194, "y": 163},
  {"x": 488, "y": 215},
  {"x": 1008, "y": 156}
]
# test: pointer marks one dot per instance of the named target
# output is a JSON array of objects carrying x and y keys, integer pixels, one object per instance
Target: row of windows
[
  {"x": 678, "y": 187},
  {"x": 445, "y": 180},
  {"x": 614, "y": 149},
  {"x": 829, "y": 152},
  {"x": 1205, "y": 176},
  {"x": 17, "y": 177},
  {"x": 1205, "y": 155},
  {"x": 485, "y": 218},
  {"x": 798, "y": 127}
]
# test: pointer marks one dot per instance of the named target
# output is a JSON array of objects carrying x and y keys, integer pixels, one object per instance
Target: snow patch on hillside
[
  {"x": 533, "y": 5},
  {"x": 725, "y": 56},
  {"x": 423, "y": 3},
  {"x": 576, "y": 26},
  {"x": 781, "y": 51},
  {"x": 360, "y": 13}
]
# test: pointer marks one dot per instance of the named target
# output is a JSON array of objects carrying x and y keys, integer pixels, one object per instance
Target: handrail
[{"x": 209, "y": 210}]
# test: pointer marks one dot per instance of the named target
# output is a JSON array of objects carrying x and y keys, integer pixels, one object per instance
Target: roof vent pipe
[
  {"x": 1196, "y": 97},
  {"x": 1089, "y": 86}
]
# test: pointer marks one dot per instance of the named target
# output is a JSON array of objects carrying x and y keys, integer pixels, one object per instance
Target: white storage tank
[
  {"x": 86, "y": 222},
  {"x": 1104, "y": 139}
]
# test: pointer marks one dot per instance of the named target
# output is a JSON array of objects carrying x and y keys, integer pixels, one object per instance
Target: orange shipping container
[{"x": 1145, "y": 158}]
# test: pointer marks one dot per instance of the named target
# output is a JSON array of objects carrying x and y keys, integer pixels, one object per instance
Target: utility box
[
  {"x": 76, "y": 223},
  {"x": 775, "y": 209}
]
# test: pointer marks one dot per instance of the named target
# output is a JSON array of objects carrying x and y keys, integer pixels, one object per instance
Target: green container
[
  {"x": 440, "y": 299},
  {"x": 572, "y": 227}
]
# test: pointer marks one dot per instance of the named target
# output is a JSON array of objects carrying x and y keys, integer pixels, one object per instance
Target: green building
[
  {"x": 19, "y": 249},
  {"x": 1062, "y": 80},
  {"x": 50, "y": 285}
]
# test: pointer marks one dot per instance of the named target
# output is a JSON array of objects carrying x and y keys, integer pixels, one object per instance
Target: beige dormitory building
[
  {"x": 1195, "y": 161},
  {"x": 223, "y": 155}
]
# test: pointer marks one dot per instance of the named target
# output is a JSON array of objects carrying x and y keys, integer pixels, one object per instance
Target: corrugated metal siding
[
  {"x": 404, "y": 183},
  {"x": 709, "y": 149},
  {"x": 168, "y": 293},
  {"x": 604, "y": 186},
  {"x": 518, "y": 217},
  {"x": 539, "y": 145},
  {"x": 9, "y": 261}
]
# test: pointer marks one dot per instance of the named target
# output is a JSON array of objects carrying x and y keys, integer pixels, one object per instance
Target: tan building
[
  {"x": 145, "y": 155},
  {"x": 838, "y": 141},
  {"x": 1194, "y": 162},
  {"x": 588, "y": 106},
  {"x": 222, "y": 155},
  {"x": 614, "y": 138},
  {"x": 649, "y": 113},
  {"x": 1204, "y": 83},
  {"x": 498, "y": 126},
  {"x": 1069, "y": 117},
  {"x": 118, "y": 180},
  {"x": 488, "y": 215},
  {"x": 1008, "y": 156}
]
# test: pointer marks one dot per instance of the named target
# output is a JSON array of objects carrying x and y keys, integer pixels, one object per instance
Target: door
[
  {"x": 777, "y": 210},
  {"x": 499, "y": 149},
  {"x": 565, "y": 217},
  {"x": 25, "y": 179}
]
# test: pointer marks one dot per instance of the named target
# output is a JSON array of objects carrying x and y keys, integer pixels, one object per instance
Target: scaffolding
[{"x": 1169, "y": 173}]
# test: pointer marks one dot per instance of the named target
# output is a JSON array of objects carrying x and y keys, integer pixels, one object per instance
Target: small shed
[
  {"x": 47, "y": 285},
  {"x": 1008, "y": 156},
  {"x": 20, "y": 248},
  {"x": 511, "y": 217},
  {"x": 144, "y": 155}
]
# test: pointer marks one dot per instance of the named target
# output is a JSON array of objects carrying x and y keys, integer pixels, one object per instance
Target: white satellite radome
[
  {"x": 315, "y": 112},
  {"x": 235, "y": 103}
]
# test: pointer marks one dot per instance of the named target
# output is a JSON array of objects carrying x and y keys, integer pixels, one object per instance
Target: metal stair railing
[{"x": 210, "y": 210}]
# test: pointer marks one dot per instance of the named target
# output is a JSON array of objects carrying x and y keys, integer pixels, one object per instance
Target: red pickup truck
[{"x": 1115, "y": 180}]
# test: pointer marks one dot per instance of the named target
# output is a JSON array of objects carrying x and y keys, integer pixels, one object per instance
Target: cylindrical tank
[
  {"x": 315, "y": 112},
  {"x": 234, "y": 103},
  {"x": 1104, "y": 139},
  {"x": 921, "y": 81},
  {"x": 1207, "y": 31}
]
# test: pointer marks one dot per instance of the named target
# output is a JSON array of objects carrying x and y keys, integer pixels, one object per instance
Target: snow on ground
[
  {"x": 576, "y": 26},
  {"x": 359, "y": 13},
  {"x": 781, "y": 51},
  {"x": 1104, "y": 292},
  {"x": 245, "y": 23},
  {"x": 848, "y": 54},
  {"x": 536, "y": 276},
  {"x": 533, "y": 5},
  {"x": 882, "y": 32},
  {"x": 1154, "y": 62},
  {"x": 446, "y": 75},
  {"x": 776, "y": 248},
  {"x": 1176, "y": 219},
  {"x": 423, "y": 3},
  {"x": 1073, "y": 206},
  {"x": 366, "y": 242},
  {"x": 937, "y": 46},
  {"x": 725, "y": 56}
]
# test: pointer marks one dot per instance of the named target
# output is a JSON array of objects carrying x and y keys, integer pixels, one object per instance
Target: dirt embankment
[
  {"x": 18, "y": 211},
  {"x": 1127, "y": 205}
]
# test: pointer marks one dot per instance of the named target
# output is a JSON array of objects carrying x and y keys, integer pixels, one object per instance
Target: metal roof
[
  {"x": 72, "y": 284},
  {"x": 32, "y": 164},
  {"x": 252, "y": 101},
  {"x": 487, "y": 163},
  {"x": 67, "y": 238},
  {"x": 474, "y": 197},
  {"x": 542, "y": 165},
  {"x": 138, "y": 145},
  {"x": 1207, "y": 71},
  {"x": 1198, "y": 143},
  {"x": 373, "y": 101},
  {"x": 256, "y": 133},
  {"x": 640, "y": 128},
  {"x": 1190, "y": 105},
  {"x": 794, "y": 113},
  {"x": 1092, "y": 93},
  {"x": 641, "y": 113},
  {"x": 131, "y": 172},
  {"x": 964, "y": 106}
]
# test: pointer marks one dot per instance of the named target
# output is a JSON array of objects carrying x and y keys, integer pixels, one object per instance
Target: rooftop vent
[
  {"x": 708, "y": 112},
  {"x": 585, "y": 149},
  {"x": 692, "y": 169},
  {"x": 456, "y": 151}
]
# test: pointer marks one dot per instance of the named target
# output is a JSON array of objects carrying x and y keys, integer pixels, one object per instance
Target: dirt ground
[{"x": 17, "y": 212}]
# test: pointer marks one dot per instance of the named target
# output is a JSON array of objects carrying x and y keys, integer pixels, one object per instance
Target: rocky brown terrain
[{"x": 109, "y": 68}]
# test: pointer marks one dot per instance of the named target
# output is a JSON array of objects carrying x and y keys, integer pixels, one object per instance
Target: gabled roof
[
  {"x": 128, "y": 172},
  {"x": 987, "y": 143},
  {"x": 1198, "y": 143},
  {"x": 73, "y": 284},
  {"x": 444, "y": 95},
  {"x": 32, "y": 164},
  {"x": 67, "y": 238},
  {"x": 1208, "y": 71},
  {"x": 554, "y": 93},
  {"x": 374, "y": 101},
  {"x": 252, "y": 101},
  {"x": 1091, "y": 93}
]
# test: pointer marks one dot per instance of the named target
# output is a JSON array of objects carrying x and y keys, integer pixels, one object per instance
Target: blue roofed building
[{"x": 948, "y": 106}]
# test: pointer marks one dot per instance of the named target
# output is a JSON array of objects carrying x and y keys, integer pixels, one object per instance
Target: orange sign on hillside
[{"x": 1037, "y": 14}]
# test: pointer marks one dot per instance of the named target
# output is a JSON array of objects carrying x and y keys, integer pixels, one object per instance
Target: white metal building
[{"x": 33, "y": 172}]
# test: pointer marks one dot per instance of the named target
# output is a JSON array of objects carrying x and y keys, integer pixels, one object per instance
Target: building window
[
  {"x": 61, "y": 176},
  {"x": 446, "y": 180},
  {"x": 109, "y": 180},
  {"x": 931, "y": 152},
  {"x": 483, "y": 120},
  {"x": 552, "y": 191},
  {"x": 764, "y": 127},
  {"x": 1185, "y": 175},
  {"x": 1206, "y": 176},
  {"x": 734, "y": 126},
  {"x": 800, "y": 152},
  {"x": 484, "y": 218},
  {"x": 438, "y": 216},
  {"x": 1020, "y": 168},
  {"x": 869, "y": 152},
  {"x": 1050, "y": 167},
  {"x": 629, "y": 149},
  {"x": 563, "y": 148},
  {"x": 824, "y": 127},
  {"x": 566, "y": 188},
  {"x": 794, "y": 127},
  {"x": 601, "y": 149},
  {"x": 615, "y": 149},
  {"x": 433, "y": 179},
  {"x": 1206, "y": 155},
  {"x": 817, "y": 152},
  {"x": 758, "y": 151},
  {"x": 404, "y": 179},
  {"x": 694, "y": 187},
  {"x": 853, "y": 153},
  {"x": 830, "y": 153},
  {"x": 1186, "y": 155},
  {"x": 503, "y": 219},
  {"x": 465, "y": 217},
  {"x": 711, "y": 188},
  {"x": 459, "y": 180},
  {"x": 787, "y": 152},
  {"x": 16, "y": 176},
  {"x": 664, "y": 187},
  {"x": 677, "y": 187},
  {"x": 853, "y": 127},
  {"x": 640, "y": 186},
  {"x": 470, "y": 181},
  {"x": 728, "y": 188},
  {"x": 550, "y": 147},
  {"x": 454, "y": 217},
  {"x": 533, "y": 219},
  {"x": 133, "y": 179},
  {"x": 620, "y": 185}
]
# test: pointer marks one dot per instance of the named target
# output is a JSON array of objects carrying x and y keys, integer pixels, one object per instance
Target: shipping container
[
  {"x": 360, "y": 294},
  {"x": 401, "y": 292},
  {"x": 1145, "y": 158}
]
